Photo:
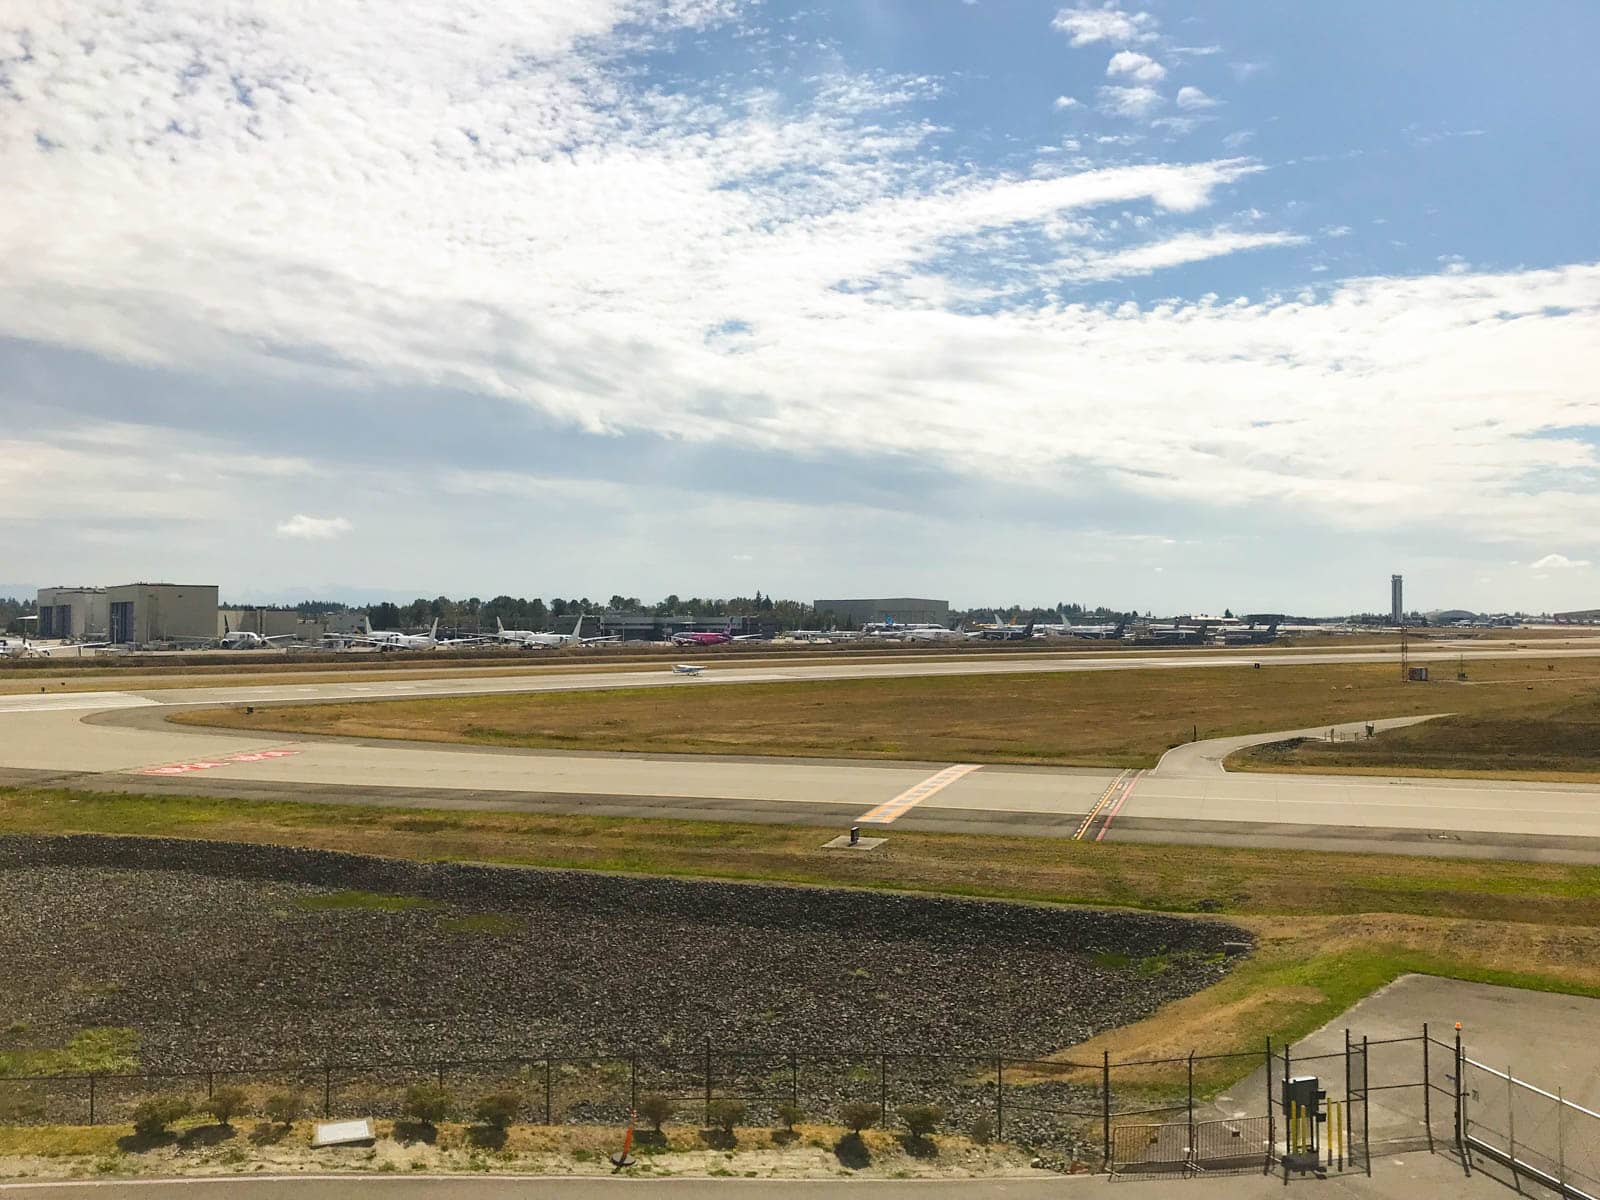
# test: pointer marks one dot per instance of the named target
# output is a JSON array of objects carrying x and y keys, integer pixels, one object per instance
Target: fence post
[
  {"x": 1191, "y": 1106},
  {"x": 1272, "y": 1125},
  {"x": 1461, "y": 1125},
  {"x": 883, "y": 1088},
  {"x": 438, "y": 1070},
  {"x": 708, "y": 1081},
  {"x": 1366, "y": 1106},
  {"x": 633, "y": 1082},
  {"x": 327, "y": 1090},
  {"x": 91, "y": 1099},
  {"x": 548, "y": 1118},
  {"x": 1561, "y": 1145},
  {"x": 211, "y": 1084},
  {"x": 794, "y": 1078},
  {"x": 1511, "y": 1124},
  {"x": 999, "y": 1098},
  {"x": 1105, "y": 1103},
  {"x": 1427, "y": 1089},
  {"x": 1288, "y": 1120}
]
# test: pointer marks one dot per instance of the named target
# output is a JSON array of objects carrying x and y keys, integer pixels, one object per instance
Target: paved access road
[
  {"x": 120, "y": 740},
  {"x": 1400, "y": 1177}
]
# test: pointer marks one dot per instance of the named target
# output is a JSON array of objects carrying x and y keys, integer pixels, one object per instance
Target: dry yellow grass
[{"x": 1119, "y": 718}]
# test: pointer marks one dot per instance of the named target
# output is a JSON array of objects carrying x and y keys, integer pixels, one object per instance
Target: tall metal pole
[
  {"x": 1191, "y": 1103},
  {"x": 1288, "y": 1122},
  {"x": 1511, "y": 1123},
  {"x": 999, "y": 1098},
  {"x": 1366, "y": 1106},
  {"x": 1105, "y": 1103},
  {"x": 1272, "y": 1129},
  {"x": 1427, "y": 1089},
  {"x": 1561, "y": 1145},
  {"x": 1461, "y": 1112}
]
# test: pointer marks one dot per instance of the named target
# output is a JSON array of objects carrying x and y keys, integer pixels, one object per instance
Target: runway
[{"x": 121, "y": 741}]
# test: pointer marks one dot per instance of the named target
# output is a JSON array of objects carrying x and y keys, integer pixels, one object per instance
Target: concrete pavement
[
  {"x": 1407, "y": 1177},
  {"x": 120, "y": 741}
]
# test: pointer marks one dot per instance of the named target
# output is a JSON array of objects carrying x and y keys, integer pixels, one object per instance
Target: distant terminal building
[
  {"x": 73, "y": 612},
  {"x": 1397, "y": 604},
  {"x": 649, "y": 627},
  {"x": 141, "y": 613},
  {"x": 900, "y": 610},
  {"x": 1584, "y": 616}
]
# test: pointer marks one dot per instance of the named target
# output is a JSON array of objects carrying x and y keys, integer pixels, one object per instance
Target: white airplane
[
  {"x": 533, "y": 640},
  {"x": 392, "y": 639},
  {"x": 243, "y": 639},
  {"x": 691, "y": 669},
  {"x": 934, "y": 633},
  {"x": 23, "y": 648}
]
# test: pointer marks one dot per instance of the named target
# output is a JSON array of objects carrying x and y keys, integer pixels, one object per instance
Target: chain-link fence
[
  {"x": 1070, "y": 1109},
  {"x": 1535, "y": 1133}
]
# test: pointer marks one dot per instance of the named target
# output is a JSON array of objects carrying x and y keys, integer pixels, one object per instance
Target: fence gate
[
  {"x": 1225, "y": 1145},
  {"x": 1534, "y": 1132}
]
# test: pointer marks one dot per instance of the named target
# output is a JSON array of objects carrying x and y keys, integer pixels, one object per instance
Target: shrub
[
  {"x": 982, "y": 1130},
  {"x": 151, "y": 1117},
  {"x": 427, "y": 1103},
  {"x": 656, "y": 1110},
  {"x": 791, "y": 1115},
  {"x": 226, "y": 1103},
  {"x": 859, "y": 1116},
  {"x": 284, "y": 1107},
  {"x": 498, "y": 1109},
  {"x": 920, "y": 1119},
  {"x": 725, "y": 1114}
]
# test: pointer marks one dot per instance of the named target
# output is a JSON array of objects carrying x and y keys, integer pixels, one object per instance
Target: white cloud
[
  {"x": 1558, "y": 562},
  {"x": 1138, "y": 66},
  {"x": 1065, "y": 102},
  {"x": 314, "y": 529},
  {"x": 486, "y": 201},
  {"x": 1193, "y": 98},
  {"x": 1086, "y": 26},
  {"x": 1132, "y": 102},
  {"x": 1174, "y": 252}
]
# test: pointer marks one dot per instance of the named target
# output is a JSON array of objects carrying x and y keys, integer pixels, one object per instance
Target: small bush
[
  {"x": 427, "y": 1103},
  {"x": 791, "y": 1115},
  {"x": 284, "y": 1108},
  {"x": 983, "y": 1131},
  {"x": 656, "y": 1110},
  {"x": 498, "y": 1109},
  {"x": 857, "y": 1117},
  {"x": 226, "y": 1103},
  {"x": 151, "y": 1117},
  {"x": 725, "y": 1114},
  {"x": 920, "y": 1119}
]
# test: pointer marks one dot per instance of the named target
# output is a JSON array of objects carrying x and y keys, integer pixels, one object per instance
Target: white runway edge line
[
  {"x": 892, "y": 810},
  {"x": 64, "y": 701}
]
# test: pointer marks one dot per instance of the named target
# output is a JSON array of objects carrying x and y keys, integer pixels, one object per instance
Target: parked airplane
[
  {"x": 1006, "y": 633},
  {"x": 531, "y": 639},
  {"x": 243, "y": 639},
  {"x": 720, "y": 637},
  {"x": 393, "y": 639},
  {"x": 934, "y": 633},
  {"x": 23, "y": 648}
]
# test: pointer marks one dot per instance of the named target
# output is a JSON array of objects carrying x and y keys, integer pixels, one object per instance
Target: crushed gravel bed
[{"x": 208, "y": 951}]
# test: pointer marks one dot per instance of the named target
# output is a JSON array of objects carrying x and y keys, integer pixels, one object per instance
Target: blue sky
[{"x": 1167, "y": 306}]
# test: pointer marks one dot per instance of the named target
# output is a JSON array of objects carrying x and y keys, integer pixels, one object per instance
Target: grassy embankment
[
  {"x": 1330, "y": 927},
  {"x": 1118, "y": 718},
  {"x": 1551, "y": 738}
]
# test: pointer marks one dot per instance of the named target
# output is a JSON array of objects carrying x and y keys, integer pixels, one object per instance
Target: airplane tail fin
[
  {"x": 434, "y": 631},
  {"x": 1028, "y": 631},
  {"x": 577, "y": 629},
  {"x": 366, "y": 624},
  {"x": 499, "y": 626}
]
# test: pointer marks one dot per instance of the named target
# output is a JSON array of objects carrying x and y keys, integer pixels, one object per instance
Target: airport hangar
[{"x": 901, "y": 610}]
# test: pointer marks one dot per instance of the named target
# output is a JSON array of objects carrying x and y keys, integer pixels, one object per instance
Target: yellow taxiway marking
[
  {"x": 891, "y": 810},
  {"x": 1098, "y": 805}
]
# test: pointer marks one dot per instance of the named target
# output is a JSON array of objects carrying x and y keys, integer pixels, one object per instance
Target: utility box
[
  {"x": 1302, "y": 1119},
  {"x": 1417, "y": 674}
]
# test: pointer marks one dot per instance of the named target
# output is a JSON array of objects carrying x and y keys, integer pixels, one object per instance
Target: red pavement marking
[{"x": 208, "y": 764}]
